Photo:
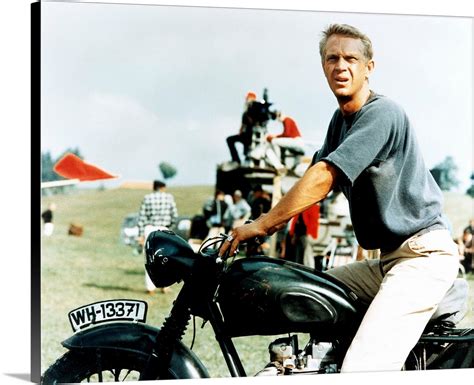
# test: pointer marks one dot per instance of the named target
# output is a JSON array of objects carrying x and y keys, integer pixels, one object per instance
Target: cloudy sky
[{"x": 134, "y": 85}]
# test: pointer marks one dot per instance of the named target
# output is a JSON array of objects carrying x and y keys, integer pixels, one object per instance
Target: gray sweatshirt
[{"x": 391, "y": 193}]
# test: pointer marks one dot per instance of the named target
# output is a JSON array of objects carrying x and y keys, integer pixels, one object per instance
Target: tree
[
  {"x": 47, "y": 164},
  {"x": 470, "y": 190},
  {"x": 167, "y": 170},
  {"x": 445, "y": 174},
  {"x": 49, "y": 175},
  {"x": 72, "y": 150}
]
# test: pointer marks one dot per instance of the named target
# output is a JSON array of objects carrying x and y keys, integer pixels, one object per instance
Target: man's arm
[{"x": 313, "y": 187}]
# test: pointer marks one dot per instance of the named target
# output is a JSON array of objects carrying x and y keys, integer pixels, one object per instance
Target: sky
[{"x": 134, "y": 85}]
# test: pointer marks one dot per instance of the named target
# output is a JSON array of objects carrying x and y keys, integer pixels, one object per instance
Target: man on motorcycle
[{"x": 371, "y": 154}]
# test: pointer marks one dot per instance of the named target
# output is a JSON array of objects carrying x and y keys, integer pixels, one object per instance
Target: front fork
[
  {"x": 228, "y": 350},
  {"x": 172, "y": 332}
]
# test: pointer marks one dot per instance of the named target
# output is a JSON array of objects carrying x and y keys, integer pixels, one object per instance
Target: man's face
[{"x": 345, "y": 67}]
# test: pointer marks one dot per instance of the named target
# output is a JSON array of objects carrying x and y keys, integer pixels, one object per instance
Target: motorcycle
[{"x": 112, "y": 340}]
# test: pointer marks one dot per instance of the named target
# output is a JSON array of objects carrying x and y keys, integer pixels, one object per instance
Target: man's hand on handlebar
[
  {"x": 240, "y": 234},
  {"x": 245, "y": 232}
]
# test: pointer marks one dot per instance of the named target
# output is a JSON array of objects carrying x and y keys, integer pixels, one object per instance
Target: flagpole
[{"x": 59, "y": 183}]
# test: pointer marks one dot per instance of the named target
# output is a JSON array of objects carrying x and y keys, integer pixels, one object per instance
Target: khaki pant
[{"x": 403, "y": 289}]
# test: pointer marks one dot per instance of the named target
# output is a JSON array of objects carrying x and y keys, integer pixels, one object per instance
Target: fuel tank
[{"x": 267, "y": 296}]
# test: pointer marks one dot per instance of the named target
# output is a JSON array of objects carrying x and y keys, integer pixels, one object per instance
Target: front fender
[{"x": 140, "y": 339}]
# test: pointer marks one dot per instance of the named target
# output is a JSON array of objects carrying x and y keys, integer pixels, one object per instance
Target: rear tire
[{"x": 97, "y": 366}]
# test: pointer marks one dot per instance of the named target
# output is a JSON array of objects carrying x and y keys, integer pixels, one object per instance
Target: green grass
[{"x": 96, "y": 266}]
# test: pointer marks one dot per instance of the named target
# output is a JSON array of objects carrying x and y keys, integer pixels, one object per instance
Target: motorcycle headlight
[{"x": 169, "y": 258}]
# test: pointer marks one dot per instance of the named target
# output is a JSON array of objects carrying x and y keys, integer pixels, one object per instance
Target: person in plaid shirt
[{"x": 157, "y": 209}]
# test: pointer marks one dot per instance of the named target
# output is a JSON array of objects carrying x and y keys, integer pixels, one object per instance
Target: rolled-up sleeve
[{"x": 364, "y": 143}]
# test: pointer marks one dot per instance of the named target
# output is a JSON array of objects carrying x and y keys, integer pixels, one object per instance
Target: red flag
[{"x": 72, "y": 167}]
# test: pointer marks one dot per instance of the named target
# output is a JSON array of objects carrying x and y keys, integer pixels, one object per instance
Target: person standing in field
[
  {"x": 215, "y": 213},
  {"x": 302, "y": 233},
  {"x": 47, "y": 215},
  {"x": 239, "y": 211},
  {"x": 158, "y": 209},
  {"x": 372, "y": 155},
  {"x": 466, "y": 249}
]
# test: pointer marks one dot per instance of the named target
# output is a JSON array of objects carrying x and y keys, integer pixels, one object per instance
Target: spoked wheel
[{"x": 103, "y": 366}]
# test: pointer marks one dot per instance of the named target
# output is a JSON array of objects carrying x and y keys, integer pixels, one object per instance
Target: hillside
[{"x": 459, "y": 208}]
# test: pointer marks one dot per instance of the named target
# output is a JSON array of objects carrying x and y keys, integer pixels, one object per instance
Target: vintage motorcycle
[{"x": 239, "y": 297}]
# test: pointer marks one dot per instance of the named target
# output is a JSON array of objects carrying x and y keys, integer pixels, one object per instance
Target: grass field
[{"x": 96, "y": 266}]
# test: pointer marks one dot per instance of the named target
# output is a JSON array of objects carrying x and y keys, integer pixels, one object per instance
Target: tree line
[
  {"x": 444, "y": 173},
  {"x": 445, "y": 176},
  {"x": 49, "y": 175}
]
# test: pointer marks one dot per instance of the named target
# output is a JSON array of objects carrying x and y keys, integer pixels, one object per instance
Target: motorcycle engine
[{"x": 286, "y": 359}]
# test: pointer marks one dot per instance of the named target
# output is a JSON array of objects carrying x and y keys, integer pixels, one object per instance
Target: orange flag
[{"x": 71, "y": 166}]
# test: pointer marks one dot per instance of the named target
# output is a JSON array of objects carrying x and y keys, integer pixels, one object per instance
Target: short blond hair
[{"x": 349, "y": 31}]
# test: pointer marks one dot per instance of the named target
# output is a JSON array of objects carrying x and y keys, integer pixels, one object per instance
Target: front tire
[{"x": 97, "y": 366}]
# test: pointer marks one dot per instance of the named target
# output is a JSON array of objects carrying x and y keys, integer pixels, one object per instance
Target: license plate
[{"x": 104, "y": 311}]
